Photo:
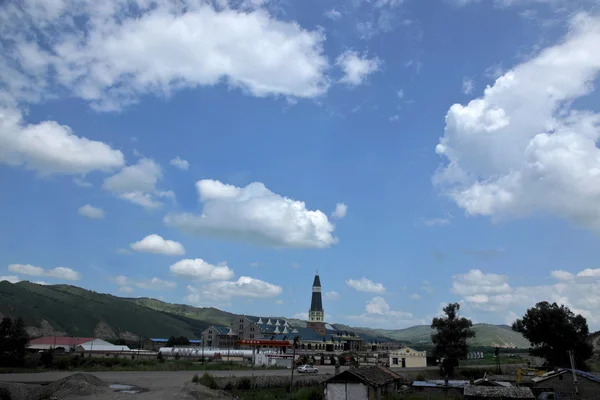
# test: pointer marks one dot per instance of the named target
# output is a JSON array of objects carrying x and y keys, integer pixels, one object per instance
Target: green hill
[{"x": 70, "y": 310}]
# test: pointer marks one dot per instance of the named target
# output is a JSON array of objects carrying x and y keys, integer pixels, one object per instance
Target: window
[{"x": 395, "y": 360}]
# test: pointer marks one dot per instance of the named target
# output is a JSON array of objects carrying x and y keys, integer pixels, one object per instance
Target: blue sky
[{"x": 218, "y": 153}]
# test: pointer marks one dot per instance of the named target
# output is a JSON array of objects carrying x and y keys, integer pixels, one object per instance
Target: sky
[{"x": 221, "y": 152}]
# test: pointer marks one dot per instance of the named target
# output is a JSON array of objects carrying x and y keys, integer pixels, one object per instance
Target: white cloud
[
  {"x": 255, "y": 214},
  {"x": 256, "y": 264},
  {"x": 426, "y": 286},
  {"x": 395, "y": 118},
  {"x": 468, "y": 85},
  {"x": 91, "y": 212},
  {"x": 477, "y": 282},
  {"x": 179, "y": 163},
  {"x": 157, "y": 245},
  {"x": 365, "y": 285},
  {"x": 43, "y": 283},
  {"x": 491, "y": 293},
  {"x": 415, "y": 296},
  {"x": 378, "y": 313},
  {"x": 400, "y": 94},
  {"x": 279, "y": 301},
  {"x": 522, "y": 147},
  {"x": 32, "y": 270},
  {"x": 437, "y": 221},
  {"x": 224, "y": 290},
  {"x": 137, "y": 184},
  {"x": 333, "y": 14},
  {"x": 356, "y": 68},
  {"x": 50, "y": 148},
  {"x": 10, "y": 278},
  {"x": 112, "y": 53},
  {"x": 333, "y": 295},
  {"x": 340, "y": 211},
  {"x": 126, "y": 284},
  {"x": 200, "y": 270},
  {"x": 81, "y": 183},
  {"x": 301, "y": 315}
]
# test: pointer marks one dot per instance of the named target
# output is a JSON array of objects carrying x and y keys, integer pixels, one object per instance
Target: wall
[
  {"x": 412, "y": 358},
  {"x": 346, "y": 391}
]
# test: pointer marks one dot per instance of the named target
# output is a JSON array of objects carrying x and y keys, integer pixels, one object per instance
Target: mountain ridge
[{"x": 72, "y": 310}]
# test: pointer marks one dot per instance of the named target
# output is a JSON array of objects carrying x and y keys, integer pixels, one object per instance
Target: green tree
[
  {"x": 553, "y": 331},
  {"x": 13, "y": 342},
  {"x": 451, "y": 338},
  {"x": 177, "y": 341}
]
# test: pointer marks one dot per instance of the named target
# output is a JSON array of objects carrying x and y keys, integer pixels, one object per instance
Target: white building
[
  {"x": 100, "y": 346},
  {"x": 408, "y": 358}
]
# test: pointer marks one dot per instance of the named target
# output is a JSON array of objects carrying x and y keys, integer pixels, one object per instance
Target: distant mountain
[{"x": 70, "y": 310}]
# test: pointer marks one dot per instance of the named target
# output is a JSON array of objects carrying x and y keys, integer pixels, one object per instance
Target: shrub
[
  {"x": 196, "y": 378},
  {"x": 75, "y": 361},
  {"x": 209, "y": 381},
  {"x": 47, "y": 358},
  {"x": 177, "y": 356},
  {"x": 160, "y": 357},
  {"x": 5, "y": 394},
  {"x": 62, "y": 364},
  {"x": 420, "y": 377},
  {"x": 244, "y": 384}
]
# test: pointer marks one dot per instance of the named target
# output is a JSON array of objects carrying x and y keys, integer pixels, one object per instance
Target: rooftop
[
  {"x": 552, "y": 374},
  {"x": 60, "y": 340},
  {"x": 499, "y": 392},
  {"x": 372, "y": 375}
]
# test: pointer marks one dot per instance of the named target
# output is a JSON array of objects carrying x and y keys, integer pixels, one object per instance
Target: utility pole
[
  {"x": 575, "y": 383},
  {"x": 497, "y": 354},
  {"x": 294, "y": 346}
]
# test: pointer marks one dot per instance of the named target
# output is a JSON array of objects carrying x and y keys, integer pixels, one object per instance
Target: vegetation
[
  {"x": 208, "y": 380},
  {"x": 553, "y": 331},
  {"x": 306, "y": 393},
  {"x": 13, "y": 342},
  {"x": 178, "y": 341},
  {"x": 451, "y": 337}
]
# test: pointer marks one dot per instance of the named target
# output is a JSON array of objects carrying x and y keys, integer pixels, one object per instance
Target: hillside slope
[{"x": 63, "y": 309}]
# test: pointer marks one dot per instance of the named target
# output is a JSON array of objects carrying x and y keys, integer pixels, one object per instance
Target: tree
[
  {"x": 13, "y": 342},
  {"x": 553, "y": 331},
  {"x": 178, "y": 341},
  {"x": 451, "y": 337}
]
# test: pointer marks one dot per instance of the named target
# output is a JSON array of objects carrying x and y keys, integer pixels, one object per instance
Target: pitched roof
[
  {"x": 317, "y": 281},
  {"x": 440, "y": 383},
  {"x": 60, "y": 340},
  {"x": 552, "y": 374},
  {"x": 221, "y": 330},
  {"x": 500, "y": 392},
  {"x": 373, "y": 375}
]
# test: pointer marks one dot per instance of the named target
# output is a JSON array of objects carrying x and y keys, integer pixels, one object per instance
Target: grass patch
[
  {"x": 307, "y": 393},
  {"x": 207, "y": 380}
]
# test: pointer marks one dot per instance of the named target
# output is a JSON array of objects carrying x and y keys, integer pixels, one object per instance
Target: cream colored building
[{"x": 408, "y": 358}]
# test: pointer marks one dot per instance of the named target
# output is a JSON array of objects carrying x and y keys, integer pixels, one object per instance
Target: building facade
[
  {"x": 408, "y": 358},
  {"x": 316, "y": 314},
  {"x": 219, "y": 337}
]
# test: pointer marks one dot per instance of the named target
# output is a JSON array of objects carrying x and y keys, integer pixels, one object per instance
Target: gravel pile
[{"x": 74, "y": 385}]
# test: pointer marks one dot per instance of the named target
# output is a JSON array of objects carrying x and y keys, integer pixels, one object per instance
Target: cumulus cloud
[
  {"x": 523, "y": 147},
  {"x": 333, "y": 295},
  {"x": 137, "y": 184},
  {"x": 340, "y": 211},
  {"x": 113, "y": 52},
  {"x": 58, "y": 272},
  {"x": 10, "y": 278},
  {"x": 378, "y": 313},
  {"x": 256, "y": 215},
  {"x": 333, "y": 14},
  {"x": 224, "y": 290},
  {"x": 356, "y": 67},
  {"x": 489, "y": 292},
  {"x": 157, "y": 245},
  {"x": 126, "y": 284},
  {"x": 179, "y": 163},
  {"x": 365, "y": 285},
  {"x": 91, "y": 212},
  {"x": 50, "y": 148},
  {"x": 200, "y": 270}
]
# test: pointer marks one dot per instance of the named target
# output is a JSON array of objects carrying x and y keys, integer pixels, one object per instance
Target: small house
[
  {"x": 561, "y": 382},
  {"x": 478, "y": 392},
  {"x": 362, "y": 383},
  {"x": 408, "y": 358}
]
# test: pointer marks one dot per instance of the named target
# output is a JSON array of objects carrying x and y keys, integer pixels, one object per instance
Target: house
[
  {"x": 450, "y": 388},
  {"x": 68, "y": 344},
  {"x": 561, "y": 381},
  {"x": 155, "y": 343},
  {"x": 219, "y": 337},
  {"x": 408, "y": 358},
  {"x": 99, "y": 346},
  {"x": 476, "y": 392},
  {"x": 372, "y": 383}
]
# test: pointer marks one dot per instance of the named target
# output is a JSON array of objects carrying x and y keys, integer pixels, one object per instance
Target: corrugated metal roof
[
  {"x": 552, "y": 374},
  {"x": 60, "y": 340},
  {"x": 101, "y": 345},
  {"x": 440, "y": 383},
  {"x": 373, "y": 375},
  {"x": 498, "y": 392},
  {"x": 195, "y": 341},
  {"x": 159, "y": 340}
]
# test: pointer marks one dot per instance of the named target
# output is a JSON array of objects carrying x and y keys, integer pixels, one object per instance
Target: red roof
[{"x": 60, "y": 340}]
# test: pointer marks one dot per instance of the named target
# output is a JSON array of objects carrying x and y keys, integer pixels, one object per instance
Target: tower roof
[{"x": 317, "y": 281}]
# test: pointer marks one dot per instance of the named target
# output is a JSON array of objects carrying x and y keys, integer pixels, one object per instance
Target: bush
[
  {"x": 244, "y": 384},
  {"x": 47, "y": 358},
  {"x": 62, "y": 364},
  {"x": 209, "y": 381},
  {"x": 177, "y": 356},
  {"x": 76, "y": 361},
  {"x": 5, "y": 394},
  {"x": 420, "y": 377},
  {"x": 196, "y": 379},
  {"x": 160, "y": 357},
  {"x": 228, "y": 387}
]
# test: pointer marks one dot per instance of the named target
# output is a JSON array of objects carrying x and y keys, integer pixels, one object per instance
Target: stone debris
[{"x": 75, "y": 385}]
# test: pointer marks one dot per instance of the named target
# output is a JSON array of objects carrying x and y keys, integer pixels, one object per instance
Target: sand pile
[{"x": 72, "y": 386}]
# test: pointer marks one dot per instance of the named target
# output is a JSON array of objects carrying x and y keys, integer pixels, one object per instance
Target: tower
[{"x": 316, "y": 315}]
